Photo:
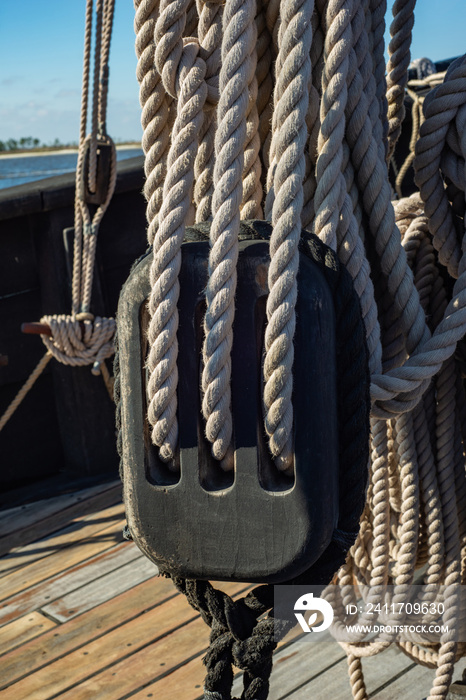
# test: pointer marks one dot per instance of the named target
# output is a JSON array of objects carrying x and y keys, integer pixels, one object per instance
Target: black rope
[{"x": 240, "y": 634}]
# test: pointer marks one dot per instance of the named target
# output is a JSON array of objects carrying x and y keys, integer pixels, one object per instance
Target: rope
[
  {"x": 238, "y": 64},
  {"x": 81, "y": 339},
  {"x": 35, "y": 374},
  {"x": 287, "y": 107},
  {"x": 190, "y": 88},
  {"x": 397, "y": 69},
  {"x": 289, "y": 137}
]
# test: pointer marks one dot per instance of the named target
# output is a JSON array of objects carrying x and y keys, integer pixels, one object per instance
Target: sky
[{"x": 41, "y": 48}]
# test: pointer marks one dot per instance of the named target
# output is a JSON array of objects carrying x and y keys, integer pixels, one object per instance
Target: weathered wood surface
[
  {"x": 28, "y": 522},
  {"x": 82, "y": 616},
  {"x": 16, "y": 633},
  {"x": 68, "y": 413}
]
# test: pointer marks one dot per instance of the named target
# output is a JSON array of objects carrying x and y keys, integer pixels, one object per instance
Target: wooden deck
[{"x": 83, "y": 618}]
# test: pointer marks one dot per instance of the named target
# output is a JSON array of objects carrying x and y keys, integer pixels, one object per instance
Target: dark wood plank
[
  {"x": 102, "y": 499},
  {"x": 334, "y": 681},
  {"x": 43, "y": 569},
  {"x": 79, "y": 529},
  {"x": 415, "y": 684},
  {"x": 104, "y": 557},
  {"x": 21, "y": 517}
]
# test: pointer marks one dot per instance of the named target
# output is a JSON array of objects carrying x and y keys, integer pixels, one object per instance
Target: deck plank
[
  {"x": 334, "y": 682},
  {"x": 297, "y": 663},
  {"x": 23, "y": 629},
  {"x": 415, "y": 684},
  {"x": 55, "y": 587},
  {"x": 79, "y": 529},
  {"x": 116, "y": 650},
  {"x": 66, "y": 508},
  {"x": 40, "y": 570},
  {"x": 83, "y": 629},
  {"x": 84, "y": 617},
  {"x": 102, "y": 589},
  {"x": 187, "y": 681}
]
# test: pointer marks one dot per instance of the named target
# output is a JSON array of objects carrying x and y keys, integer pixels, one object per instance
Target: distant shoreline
[{"x": 59, "y": 151}]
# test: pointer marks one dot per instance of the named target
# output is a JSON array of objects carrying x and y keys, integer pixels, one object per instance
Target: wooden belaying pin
[{"x": 36, "y": 328}]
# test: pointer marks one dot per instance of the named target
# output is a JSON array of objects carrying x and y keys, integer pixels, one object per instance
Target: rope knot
[{"x": 80, "y": 340}]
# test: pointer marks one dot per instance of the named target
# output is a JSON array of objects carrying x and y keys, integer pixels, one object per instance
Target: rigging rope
[
  {"x": 81, "y": 339},
  {"x": 320, "y": 146}
]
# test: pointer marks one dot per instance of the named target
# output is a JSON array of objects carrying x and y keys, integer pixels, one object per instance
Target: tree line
[{"x": 28, "y": 142}]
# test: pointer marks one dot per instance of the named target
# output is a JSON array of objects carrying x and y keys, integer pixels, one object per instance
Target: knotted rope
[
  {"x": 319, "y": 148},
  {"x": 81, "y": 339}
]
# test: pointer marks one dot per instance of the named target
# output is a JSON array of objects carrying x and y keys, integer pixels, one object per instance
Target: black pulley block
[
  {"x": 253, "y": 523},
  {"x": 104, "y": 162}
]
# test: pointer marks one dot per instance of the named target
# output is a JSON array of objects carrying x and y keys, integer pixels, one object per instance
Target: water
[{"x": 16, "y": 170}]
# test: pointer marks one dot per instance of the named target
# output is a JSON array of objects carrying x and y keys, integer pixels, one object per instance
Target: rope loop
[{"x": 80, "y": 340}]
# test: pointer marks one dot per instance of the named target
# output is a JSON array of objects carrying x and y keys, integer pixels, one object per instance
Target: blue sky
[{"x": 41, "y": 45}]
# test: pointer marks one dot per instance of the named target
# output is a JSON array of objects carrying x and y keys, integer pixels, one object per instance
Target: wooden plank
[
  {"x": 21, "y": 517},
  {"x": 20, "y": 631},
  {"x": 334, "y": 681},
  {"x": 54, "y": 522},
  {"x": 42, "y": 569},
  {"x": 83, "y": 629},
  {"x": 179, "y": 632},
  {"x": 79, "y": 529},
  {"x": 187, "y": 681},
  {"x": 297, "y": 662},
  {"x": 415, "y": 684},
  {"x": 99, "y": 591},
  {"x": 82, "y": 573}
]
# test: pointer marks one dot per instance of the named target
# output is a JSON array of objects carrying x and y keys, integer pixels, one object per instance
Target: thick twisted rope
[
  {"x": 236, "y": 74},
  {"x": 289, "y": 138},
  {"x": 155, "y": 111},
  {"x": 397, "y": 69},
  {"x": 210, "y": 39},
  {"x": 183, "y": 76}
]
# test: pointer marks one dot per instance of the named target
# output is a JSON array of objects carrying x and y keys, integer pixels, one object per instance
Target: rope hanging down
[
  {"x": 209, "y": 73},
  {"x": 81, "y": 339}
]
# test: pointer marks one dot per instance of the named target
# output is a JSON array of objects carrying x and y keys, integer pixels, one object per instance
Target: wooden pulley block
[
  {"x": 104, "y": 161},
  {"x": 253, "y": 523}
]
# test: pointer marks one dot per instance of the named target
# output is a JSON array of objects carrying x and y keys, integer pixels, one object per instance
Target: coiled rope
[{"x": 317, "y": 68}]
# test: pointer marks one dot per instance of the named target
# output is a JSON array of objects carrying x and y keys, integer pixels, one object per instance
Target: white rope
[
  {"x": 238, "y": 64},
  {"x": 289, "y": 138}
]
